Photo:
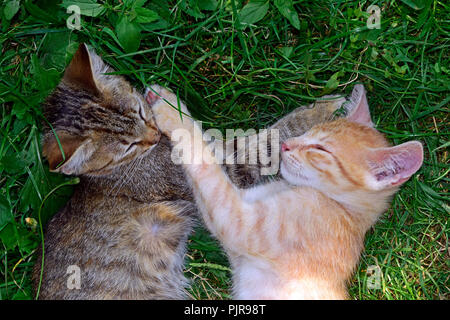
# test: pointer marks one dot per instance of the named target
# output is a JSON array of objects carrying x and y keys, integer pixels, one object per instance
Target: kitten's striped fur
[{"x": 300, "y": 240}]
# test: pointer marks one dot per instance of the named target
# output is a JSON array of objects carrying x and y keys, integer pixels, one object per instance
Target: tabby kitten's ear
[
  {"x": 359, "y": 108},
  {"x": 390, "y": 167},
  {"x": 80, "y": 73},
  {"x": 76, "y": 152}
]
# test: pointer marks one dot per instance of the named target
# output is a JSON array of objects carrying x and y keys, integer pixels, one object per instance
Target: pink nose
[{"x": 284, "y": 147}]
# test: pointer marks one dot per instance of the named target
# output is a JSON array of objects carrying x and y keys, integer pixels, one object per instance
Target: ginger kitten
[{"x": 299, "y": 239}]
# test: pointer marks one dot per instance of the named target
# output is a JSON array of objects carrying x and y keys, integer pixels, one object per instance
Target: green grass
[{"x": 247, "y": 77}]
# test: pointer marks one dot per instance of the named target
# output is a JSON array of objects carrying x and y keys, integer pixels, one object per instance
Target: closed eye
[
  {"x": 319, "y": 147},
  {"x": 131, "y": 146},
  {"x": 142, "y": 114}
]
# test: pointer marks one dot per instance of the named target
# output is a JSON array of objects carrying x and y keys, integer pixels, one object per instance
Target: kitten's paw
[
  {"x": 166, "y": 109},
  {"x": 152, "y": 94}
]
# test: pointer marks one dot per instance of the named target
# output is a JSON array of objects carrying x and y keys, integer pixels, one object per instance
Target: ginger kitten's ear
[
  {"x": 359, "y": 108},
  {"x": 390, "y": 167},
  {"x": 80, "y": 71},
  {"x": 76, "y": 152}
]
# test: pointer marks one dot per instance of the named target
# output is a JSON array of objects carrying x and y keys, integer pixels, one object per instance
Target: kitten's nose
[{"x": 285, "y": 147}]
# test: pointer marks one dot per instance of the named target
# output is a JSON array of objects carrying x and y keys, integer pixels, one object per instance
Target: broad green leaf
[
  {"x": 21, "y": 110},
  {"x": 191, "y": 7},
  {"x": 209, "y": 5},
  {"x": 25, "y": 239},
  {"x": 45, "y": 79},
  {"x": 144, "y": 15},
  {"x": 286, "y": 8},
  {"x": 14, "y": 234},
  {"x": 129, "y": 34},
  {"x": 139, "y": 3},
  {"x": 253, "y": 11},
  {"x": 57, "y": 49},
  {"x": 157, "y": 25},
  {"x": 162, "y": 8},
  {"x": 286, "y": 51},
  {"x": 134, "y": 3},
  {"x": 11, "y": 8},
  {"x": 437, "y": 69},
  {"x": 333, "y": 82},
  {"x": 22, "y": 295},
  {"x": 415, "y": 4},
  {"x": 39, "y": 13},
  {"x": 357, "y": 12},
  {"x": 39, "y": 184},
  {"x": 5, "y": 211},
  {"x": 18, "y": 126},
  {"x": 13, "y": 163},
  {"x": 88, "y": 8},
  {"x": 8, "y": 235}
]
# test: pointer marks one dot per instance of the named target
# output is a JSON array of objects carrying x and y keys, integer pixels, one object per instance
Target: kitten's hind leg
[{"x": 156, "y": 235}]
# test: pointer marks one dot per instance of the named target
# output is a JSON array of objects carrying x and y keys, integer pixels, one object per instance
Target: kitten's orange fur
[{"x": 302, "y": 239}]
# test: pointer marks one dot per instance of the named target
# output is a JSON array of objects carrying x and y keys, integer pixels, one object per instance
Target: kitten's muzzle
[{"x": 284, "y": 147}]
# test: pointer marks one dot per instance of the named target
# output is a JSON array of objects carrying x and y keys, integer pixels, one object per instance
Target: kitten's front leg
[{"x": 220, "y": 202}]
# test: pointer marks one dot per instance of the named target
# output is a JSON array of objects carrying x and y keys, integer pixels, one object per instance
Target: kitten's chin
[{"x": 293, "y": 178}]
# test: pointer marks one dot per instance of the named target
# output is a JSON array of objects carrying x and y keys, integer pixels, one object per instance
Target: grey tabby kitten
[{"x": 126, "y": 226}]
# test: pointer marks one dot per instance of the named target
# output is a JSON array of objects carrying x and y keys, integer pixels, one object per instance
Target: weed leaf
[
  {"x": 11, "y": 8},
  {"x": 208, "y": 5},
  {"x": 129, "y": 34},
  {"x": 5, "y": 211},
  {"x": 88, "y": 8},
  {"x": 286, "y": 8},
  {"x": 253, "y": 11},
  {"x": 144, "y": 15}
]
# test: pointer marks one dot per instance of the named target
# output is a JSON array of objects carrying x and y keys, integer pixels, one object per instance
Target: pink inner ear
[
  {"x": 360, "y": 108},
  {"x": 396, "y": 165}
]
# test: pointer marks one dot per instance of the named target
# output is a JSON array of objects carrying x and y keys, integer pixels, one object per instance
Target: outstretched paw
[{"x": 169, "y": 112}]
